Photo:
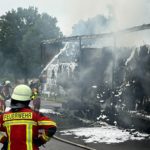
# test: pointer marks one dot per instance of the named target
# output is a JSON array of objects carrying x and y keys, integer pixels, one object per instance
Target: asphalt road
[
  {"x": 58, "y": 145},
  {"x": 130, "y": 145}
]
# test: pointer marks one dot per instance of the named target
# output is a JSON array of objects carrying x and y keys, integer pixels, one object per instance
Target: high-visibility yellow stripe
[
  {"x": 1, "y": 135},
  {"x": 28, "y": 123},
  {"x": 8, "y": 132},
  {"x": 20, "y": 122},
  {"x": 47, "y": 123},
  {"x": 29, "y": 137},
  {"x": 46, "y": 138}
]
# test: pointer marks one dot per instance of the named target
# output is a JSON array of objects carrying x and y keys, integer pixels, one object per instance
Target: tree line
[{"x": 21, "y": 32}]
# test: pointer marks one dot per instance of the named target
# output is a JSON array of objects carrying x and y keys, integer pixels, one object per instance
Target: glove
[
  {"x": 5, "y": 145},
  {"x": 38, "y": 141}
]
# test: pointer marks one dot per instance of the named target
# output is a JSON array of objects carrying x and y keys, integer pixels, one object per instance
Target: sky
[{"x": 68, "y": 12}]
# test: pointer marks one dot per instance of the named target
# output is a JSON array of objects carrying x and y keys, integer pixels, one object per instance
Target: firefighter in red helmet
[{"x": 22, "y": 125}]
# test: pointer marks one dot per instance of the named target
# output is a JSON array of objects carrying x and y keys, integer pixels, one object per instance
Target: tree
[{"x": 21, "y": 33}]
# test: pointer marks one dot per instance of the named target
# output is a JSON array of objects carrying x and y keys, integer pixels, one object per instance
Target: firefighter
[
  {"x": 36, "y": 101},
  {"x": 25, "y": 129},
  {"x": 6, "y": 90},
  {"x": 2, "y": 104},
  {"x": 2, "y": 98}
]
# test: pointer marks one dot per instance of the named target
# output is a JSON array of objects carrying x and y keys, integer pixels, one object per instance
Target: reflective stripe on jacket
[{"x": 23, "y": 126}]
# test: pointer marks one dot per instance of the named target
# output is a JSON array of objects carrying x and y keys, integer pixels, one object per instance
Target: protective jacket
[{"x": 26, "y": 129}]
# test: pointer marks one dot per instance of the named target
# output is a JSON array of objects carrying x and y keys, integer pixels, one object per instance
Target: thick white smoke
[
  {"x": 131, "y": 13},
  {"x": 68, "y": 12},
  {"x": 125, "y": 13}
]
